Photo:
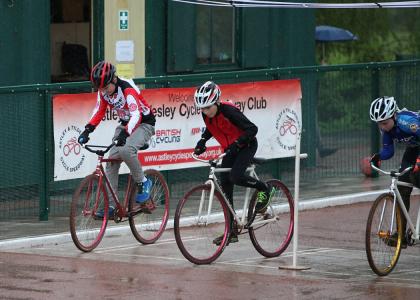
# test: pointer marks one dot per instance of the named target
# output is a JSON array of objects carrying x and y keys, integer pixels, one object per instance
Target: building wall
[
  {"x": 24, "y": 42},
  {"x": 163, "y": 38},
  {"x": 135, "y": 36},
  {"x": 265, "y": 38}
]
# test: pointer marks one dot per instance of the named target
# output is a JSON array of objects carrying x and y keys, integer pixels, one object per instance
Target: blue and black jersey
[{"x": 406, "y": 131}]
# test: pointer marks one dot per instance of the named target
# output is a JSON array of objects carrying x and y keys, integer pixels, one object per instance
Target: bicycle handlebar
[
  {"x": 211, "y": 161},
  {"x": 99, "y": 152},
  {"x": 392, "y": 173}
]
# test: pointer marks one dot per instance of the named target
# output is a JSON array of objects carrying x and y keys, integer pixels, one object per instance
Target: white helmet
[
  {"x": 382, "y": 108},
  {"x": 207, "y": 94}
]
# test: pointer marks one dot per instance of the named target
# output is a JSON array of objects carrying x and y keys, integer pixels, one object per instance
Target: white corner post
[{"x": 298, "y": 157}]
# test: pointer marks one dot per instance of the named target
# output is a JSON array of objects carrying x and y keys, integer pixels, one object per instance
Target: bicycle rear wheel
[
  {"x": 384, "y": 221},
  {"x": 147, "y": 228},
  {"x": 195, "y": 225},
  {"x": 86, "y": 228},
  {"x": 272, "y": 231}
]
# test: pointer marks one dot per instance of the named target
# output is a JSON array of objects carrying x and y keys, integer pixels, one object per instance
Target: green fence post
[
  {"x": 374, "y": 133},
  {"x": 374, "y": 128},
  {"x": 98, "y": 31},
  {"x": 44, "y": 199}
]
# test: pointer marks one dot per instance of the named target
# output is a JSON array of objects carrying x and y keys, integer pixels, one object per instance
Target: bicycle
[
  {"x": 92, "y": 196},
  {"x": 204, "y": 212},
  {"x": 384, "y": 233}
]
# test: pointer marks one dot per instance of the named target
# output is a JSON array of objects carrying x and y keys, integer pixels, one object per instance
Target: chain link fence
[{"x": 337, "y": 131}]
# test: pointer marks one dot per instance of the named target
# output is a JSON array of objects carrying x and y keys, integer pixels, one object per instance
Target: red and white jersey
[{"x": 129, "y": 104}]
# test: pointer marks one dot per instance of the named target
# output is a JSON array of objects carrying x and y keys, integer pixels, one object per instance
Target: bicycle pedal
[{"x": 146, "y": 211}]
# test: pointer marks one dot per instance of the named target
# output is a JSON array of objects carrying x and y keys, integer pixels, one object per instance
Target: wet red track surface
[{"x": 331, "y": 243}]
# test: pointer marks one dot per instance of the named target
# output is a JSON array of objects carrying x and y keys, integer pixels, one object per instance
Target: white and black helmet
[
  {"x": 207, "y": 94},
  {"x": 382, "y": 108}
]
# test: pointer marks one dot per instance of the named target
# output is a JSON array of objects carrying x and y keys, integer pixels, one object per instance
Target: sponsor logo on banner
[
  {"x": 166, "y": 136},
  {"x": 287, "y": 125},
  {"x": 71, "y": 156}
]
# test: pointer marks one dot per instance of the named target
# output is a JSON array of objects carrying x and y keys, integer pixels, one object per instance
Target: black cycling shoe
[
  {"x": 263, "y": 199},
  {"x": 233, "y": 238}
]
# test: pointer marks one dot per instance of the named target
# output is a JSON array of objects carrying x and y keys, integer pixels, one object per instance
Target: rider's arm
[
  {"x": 242, "y": 122},
  {"x": 99, "y": 111},
  {"x": 409, "y": 123},
  {"x": 387, "y": 146},
  {"x": 206, "y": 134},
  {"x": 135, "y": 114}
]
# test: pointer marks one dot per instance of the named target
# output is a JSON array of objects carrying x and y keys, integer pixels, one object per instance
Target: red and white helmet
[
  {"x": 102, "y": 74},
  {"x": 207, "y": 94},
  {"x": 382, "y": 108}
]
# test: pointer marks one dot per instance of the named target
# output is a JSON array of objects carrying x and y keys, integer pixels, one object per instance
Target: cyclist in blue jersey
[{"x": 401, "y": 126}]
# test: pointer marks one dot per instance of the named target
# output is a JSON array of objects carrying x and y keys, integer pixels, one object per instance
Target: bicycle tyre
[
  {"x": 272, "y": 239},
  {"x": 382, "y": 256},
  {"x": 194, "y": 234},
  {"x": 148, "y": 228},
  {"x": 86, "y": 229}
]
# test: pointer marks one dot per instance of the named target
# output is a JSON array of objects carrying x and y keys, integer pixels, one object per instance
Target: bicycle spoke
[
  {"x": 382, "y": 249},
  {"x": 197, "y": 225},
  {"x": 148, "y": 227},
  {"x": 271, "y": 232},
  {"x": 87, "y": 229}
]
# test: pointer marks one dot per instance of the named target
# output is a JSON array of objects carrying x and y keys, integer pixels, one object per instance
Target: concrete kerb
[{"x": 55, "y": 239}]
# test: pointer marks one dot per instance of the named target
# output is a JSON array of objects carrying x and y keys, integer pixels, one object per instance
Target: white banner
[{"x": 274, "y": 106}]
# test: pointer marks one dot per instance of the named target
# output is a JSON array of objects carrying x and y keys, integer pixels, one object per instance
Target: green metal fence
[{"x": 334, "y": 109}]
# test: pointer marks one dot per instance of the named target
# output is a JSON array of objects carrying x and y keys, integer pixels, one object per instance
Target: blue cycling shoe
[
  {"x": 100, "y": 213},
  {"x": 144, "y": 191}
]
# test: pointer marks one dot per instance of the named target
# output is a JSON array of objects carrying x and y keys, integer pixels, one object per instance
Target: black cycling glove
[
  {"x": 200, "y": 148},
  {"x": 84, "y": 136},
  {"x": 376, "y": 160}
]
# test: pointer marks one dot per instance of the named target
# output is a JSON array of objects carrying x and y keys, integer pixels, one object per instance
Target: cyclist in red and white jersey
[{"x": 137, "y": 123}]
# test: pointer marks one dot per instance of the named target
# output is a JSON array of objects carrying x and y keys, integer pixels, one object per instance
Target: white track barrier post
[{"x": 298, "y": 157}]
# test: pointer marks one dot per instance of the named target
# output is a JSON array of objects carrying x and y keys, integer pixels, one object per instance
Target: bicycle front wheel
[
  {"x": 272, "y": 231},
  {"x": 383, "y": 235},
  {"x": 198, "y": 221},
  {"x": 86, "y": 228},
  {"x": 148, "y": 227}
]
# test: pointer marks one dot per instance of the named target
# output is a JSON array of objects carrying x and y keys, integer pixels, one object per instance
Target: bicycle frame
[
  {"x": 397, "y": 198},
  {"x": 99, "y": 171},
  {"x": 214, "y": 185}
]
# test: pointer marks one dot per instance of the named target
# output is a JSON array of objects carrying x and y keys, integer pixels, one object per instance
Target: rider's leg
[
  {"x": 240, "y": 163},
  {"x": 112, "y": 168},
  {"x": 409, "y": 158},
  {"x": 128, "y": 153},
  {"x": 239, "y": 176},
  {"x": 227, "y": 184}
]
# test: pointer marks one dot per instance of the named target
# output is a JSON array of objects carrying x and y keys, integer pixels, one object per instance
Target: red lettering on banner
[
  {"x": 158, "y": 158},
  {"x": 195, "y": 130},
  {"x": 168, "y": 132}
]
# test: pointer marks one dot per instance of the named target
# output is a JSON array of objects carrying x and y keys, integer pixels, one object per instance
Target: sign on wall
[
  {"x": 123, "y": 20},
  {"x": 274, "y": 106}
]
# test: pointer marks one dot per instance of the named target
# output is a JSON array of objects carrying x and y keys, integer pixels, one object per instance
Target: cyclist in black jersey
[{"x": 237, "y": 136}]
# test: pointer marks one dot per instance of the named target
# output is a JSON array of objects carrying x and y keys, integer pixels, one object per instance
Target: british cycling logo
[
  {"x": 70, "y": 154},
  {"x": 287, "y": 124}
]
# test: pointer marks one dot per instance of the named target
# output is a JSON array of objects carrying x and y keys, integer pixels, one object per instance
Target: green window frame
[
  {"x": 201, "y": 38},
  {"x": 215, "y": 29}
]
